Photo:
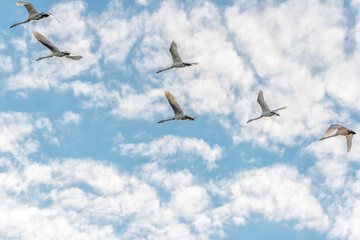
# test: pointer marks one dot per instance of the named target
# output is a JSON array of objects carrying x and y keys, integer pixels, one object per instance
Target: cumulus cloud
[
  {"x": 16, "y": 133},
  {"x": 170, "y": 145},
  {"x": 142, "y": 2},
  {"x": 89, "y": 199},
  {"x": 126, "y": 103},
  {"x": 70, "y": 117},
  {"x": 348, "y": 213},
  {"x": 279, "y": 193}
]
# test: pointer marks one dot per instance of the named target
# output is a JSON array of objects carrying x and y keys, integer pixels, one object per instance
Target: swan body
[
  {"x": 179, "y": 114},
  {"x": 56, "y": 53},
  {"x": 33, "y": 14},
  {"x": 177, "y": 61},
  {"x": 266, "y": 112},
  {"x": 340, "y": 131}
]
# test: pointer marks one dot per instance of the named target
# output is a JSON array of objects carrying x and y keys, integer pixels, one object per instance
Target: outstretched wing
[
  {"x": 349, "y": 141},
  {"x": 279, "y": 109},
  {"x": 174, "y": 104},
  {"x": 74, "y": 57},
  {"x": 262, "y": 103},
  {"x": 333, "y": 128},
  {"x": 174, "y": 53},
  {"x": 30, "y": 8},
  {"x": 45, "y": 42}
]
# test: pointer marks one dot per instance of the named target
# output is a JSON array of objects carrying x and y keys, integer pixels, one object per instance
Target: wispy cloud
[
  {"x": 16, "y": 133},
  {"x": 170, "y": 145},
  {"x": 70, "y": 117},
  {"x": 279, "y": 193}
]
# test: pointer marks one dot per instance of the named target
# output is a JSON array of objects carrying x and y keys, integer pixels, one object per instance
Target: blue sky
[{"x": 81, "y": 152}]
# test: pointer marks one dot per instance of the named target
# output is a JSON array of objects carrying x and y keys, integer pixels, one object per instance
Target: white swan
[
  {"x": 55, "y": 51},
  {"x": 179, "y": 114},
  {"x": 33, "y": 14},
  {"x": 341, "y": 131},
  {"x": 177, "y": 62},
  {"x": 266, "y": 112}
]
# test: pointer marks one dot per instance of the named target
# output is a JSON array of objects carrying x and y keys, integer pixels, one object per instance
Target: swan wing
[
  {"x": 45, "y": 42},
  {"x": 349, "y": 141},
  {"x": 279, "y": 109},
  {"x": 174, "y": 53},
  {"x": 174, "y": 104},
  {"x": 262, "y": 103},
  {"x": 74, "y": 57},
  {"x": 333, "y": 128},
  {"x": 30, "y": 8}
]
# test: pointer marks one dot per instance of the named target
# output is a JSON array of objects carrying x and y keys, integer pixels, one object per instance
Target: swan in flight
[
  {"x": 33, "y": 14},
  {"x": 177, "y": 62},
  {"x": 179, "y": 115},
  {"x": 55, "y": 51},
  {"x": 341, "y": 131},
  {"x": 266, "y": 112}
]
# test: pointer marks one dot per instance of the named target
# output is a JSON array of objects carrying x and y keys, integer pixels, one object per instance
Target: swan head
[
  {"x": 43, "y": 14},
  {"x": 190, "y": 118}
]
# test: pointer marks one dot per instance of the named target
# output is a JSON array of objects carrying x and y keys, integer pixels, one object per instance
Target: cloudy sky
[{"x": 81, "y": 154}]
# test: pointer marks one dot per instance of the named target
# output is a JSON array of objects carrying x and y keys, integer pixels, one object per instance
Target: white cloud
[
  {"x": 142, "y": 2},
  {"x": 89, "y": 200},
  {"x": 70, "y": 117},
  {"x": 170, "y": 145},
  {"x": 92, "y": 200},
  {"x": 16, "y": 133},
  {"x": 279, "y": 193},
  {"x": 347, "y": 210},
  {"x": 126, "y": 103}
]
